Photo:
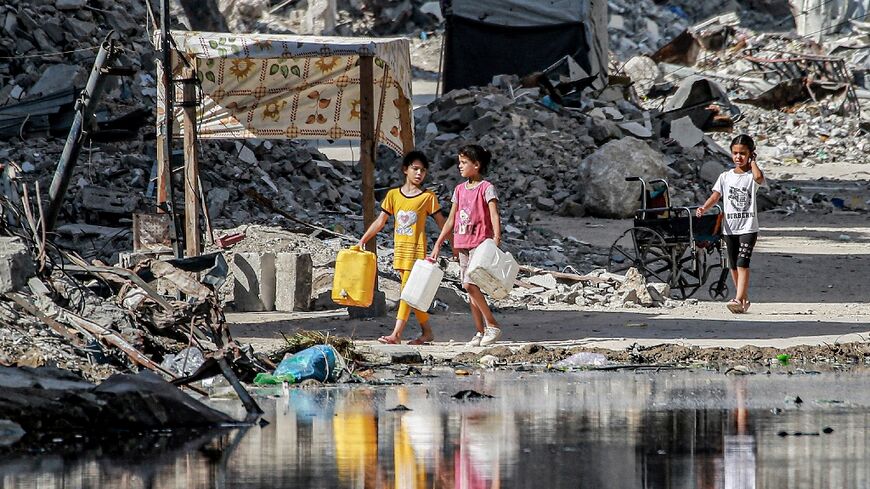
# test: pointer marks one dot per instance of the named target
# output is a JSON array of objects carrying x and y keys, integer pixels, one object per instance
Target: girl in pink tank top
[{"x": 473, "y": 219}]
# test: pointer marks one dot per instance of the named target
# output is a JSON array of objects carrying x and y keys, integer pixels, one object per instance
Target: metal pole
[
  {"x": 164, "y": 179},
  {"x": 85, "y": 106}
]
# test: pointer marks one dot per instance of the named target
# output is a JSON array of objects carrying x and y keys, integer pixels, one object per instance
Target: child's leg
[
  {"x": 426, "y": 334},
  {"x": 478, "y": 301},
  {"x": 402, "y": 315},
  {"x": 744, "y": 255},
  {"x": 742, "y": 284}
]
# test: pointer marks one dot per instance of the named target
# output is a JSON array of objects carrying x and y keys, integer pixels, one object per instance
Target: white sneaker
[
  {"x": 476, "y": 340},
  {"x": 491, "y": 334}
]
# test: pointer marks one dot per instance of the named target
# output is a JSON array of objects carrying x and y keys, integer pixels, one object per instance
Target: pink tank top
[{"x": 472, "y": 224}]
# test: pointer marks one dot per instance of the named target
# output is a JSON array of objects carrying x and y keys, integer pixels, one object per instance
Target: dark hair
[
  {"x": 745, "y": 140},
  {"x": 413, "y": 156},
  {"x": 477, "y": 154}
]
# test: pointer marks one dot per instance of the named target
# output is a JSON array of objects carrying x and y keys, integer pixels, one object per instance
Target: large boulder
[{"x": 604, "y": 191}]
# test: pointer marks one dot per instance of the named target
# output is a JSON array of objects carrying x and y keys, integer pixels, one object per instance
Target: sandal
[
  {"x": 420, "y": 340},
  {"x": 386, "y": 340},
  {"x": 746, "y": 306},
  {"x": 735, "y": 306}
]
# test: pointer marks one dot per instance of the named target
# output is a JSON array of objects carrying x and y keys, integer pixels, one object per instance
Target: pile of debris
[
  {"x": 93, "y": 319},
  {"x": 598, "y": 288},
  {"x": 331, "y": 17}
]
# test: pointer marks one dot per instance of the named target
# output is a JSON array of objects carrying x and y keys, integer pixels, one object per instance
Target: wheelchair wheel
[
  {"x": 644, "y": 249},
  {"x": 719, "y": 289},
  {"x": 685, "y": 282}
]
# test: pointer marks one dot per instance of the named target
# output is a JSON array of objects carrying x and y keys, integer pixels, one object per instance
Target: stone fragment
[
  {"x": 644, "y": 73},
  {"x": 684, "y": 132},
  {"x": 547, "y": 281},
  {"x": 293, "y": 279},
  {"x": 57, "y": 78},
  {"x": 16, "y": 265},
  {"x": 635, "y": 284},
  {"x": 70, "y": 4}
]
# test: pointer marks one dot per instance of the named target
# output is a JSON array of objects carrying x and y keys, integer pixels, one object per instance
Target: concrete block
[
  {"x": 16, "y": 265},
  {"x": 293, "y": 278},
  {"x": 253, "y": 282},
  {"x": 684, "y": 132}
]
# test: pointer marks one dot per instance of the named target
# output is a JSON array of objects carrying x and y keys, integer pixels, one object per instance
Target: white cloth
[{"x": 738, "y": 201}]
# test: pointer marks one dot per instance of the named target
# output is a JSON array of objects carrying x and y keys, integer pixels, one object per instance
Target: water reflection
[{"x": 584, "y": 430}]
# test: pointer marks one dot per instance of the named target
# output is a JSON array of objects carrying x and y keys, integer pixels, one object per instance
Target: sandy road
[{"x": 810, "y": 285}]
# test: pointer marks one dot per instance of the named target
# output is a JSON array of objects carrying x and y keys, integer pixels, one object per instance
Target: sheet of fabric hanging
[{"x": 290, "y": 87}]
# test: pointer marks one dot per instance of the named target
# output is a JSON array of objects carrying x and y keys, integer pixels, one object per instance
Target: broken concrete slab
[
  {"x": 378, "y": 353},
  {"x": 644, "y": 73},
  {"x": 16, "y": 265},
  {"x": 70, "y": 4},
  {"x": 686, "y": 133},
  {"x": 253, "y": 282},
  {"x": 293, "y": 277},
  {"x": 57, "y": 78}
]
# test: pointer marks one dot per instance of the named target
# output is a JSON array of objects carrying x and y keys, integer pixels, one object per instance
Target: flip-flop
[
  {"x": 421, "y": 341},
  {"x": 735, "y": 307},
  {"x": 386, "y": 341},
  {"x": 746, "y": 306}
]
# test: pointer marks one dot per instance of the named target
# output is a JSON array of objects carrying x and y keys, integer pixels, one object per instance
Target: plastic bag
[
  {"x": 582, "y": 359},
  {"x": 319, "y": 362}
]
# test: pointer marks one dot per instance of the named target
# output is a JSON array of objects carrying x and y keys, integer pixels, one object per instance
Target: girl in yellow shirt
[{"x": 410, "y": 205}]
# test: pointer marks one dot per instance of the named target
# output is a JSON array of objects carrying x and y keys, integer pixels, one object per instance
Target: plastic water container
[
  {"x": 354, "y": 281},
  {"x": 422, "y": 284},
  {"x": 492, "y": 269}
]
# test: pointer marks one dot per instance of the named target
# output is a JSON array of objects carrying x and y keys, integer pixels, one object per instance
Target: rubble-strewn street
[{"x": 601, "y": 156}]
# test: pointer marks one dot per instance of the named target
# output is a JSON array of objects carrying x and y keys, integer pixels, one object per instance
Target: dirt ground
[{"x": 809, "y": 287}]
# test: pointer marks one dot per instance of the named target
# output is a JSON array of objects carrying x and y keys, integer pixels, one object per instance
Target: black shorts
[{"x": 739, "y": 249}]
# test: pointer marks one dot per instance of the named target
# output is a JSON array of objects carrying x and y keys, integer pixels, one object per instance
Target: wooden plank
[
  {"x": 163, "y": 175},
  {"x": 406, "y": 131},
  {"x": 192, "y": 206},
  {"x": 367, "y": 143}
]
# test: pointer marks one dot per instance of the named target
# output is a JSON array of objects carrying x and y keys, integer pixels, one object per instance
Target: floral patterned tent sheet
[{"x": 291, "y": 87}]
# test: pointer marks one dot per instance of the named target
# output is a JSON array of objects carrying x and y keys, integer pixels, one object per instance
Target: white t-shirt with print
[{"x": 738, "y": 202}]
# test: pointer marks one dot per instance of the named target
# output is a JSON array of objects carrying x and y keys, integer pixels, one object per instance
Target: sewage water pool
[{"x": 672, "y": 429}]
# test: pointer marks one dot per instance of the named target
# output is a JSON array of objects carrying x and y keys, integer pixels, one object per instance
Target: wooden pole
[
  {"x": 406, "y": 129},
  {"x": 367, "y": 143},
  {"x": 163, "y": 175},
  {"x": 165, "y": 199},
  {"x": 192, "y": 204}
]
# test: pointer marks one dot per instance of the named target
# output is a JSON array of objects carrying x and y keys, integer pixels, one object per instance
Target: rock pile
[{"x": 598, "y": 288}]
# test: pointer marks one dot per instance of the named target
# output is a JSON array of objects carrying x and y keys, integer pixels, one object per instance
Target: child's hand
[
  {"x": 361, "y": 244},
  {"x": 699, "y": 212},
  {"x": 435, "y": 251}
]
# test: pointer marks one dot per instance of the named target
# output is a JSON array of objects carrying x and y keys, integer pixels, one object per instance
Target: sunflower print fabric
[{"x": 291, "y": 87}]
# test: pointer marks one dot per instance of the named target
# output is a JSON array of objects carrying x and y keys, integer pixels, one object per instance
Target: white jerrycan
[
  {"x": 422, "y": 284},
  {"x": 492, "y": 269}
]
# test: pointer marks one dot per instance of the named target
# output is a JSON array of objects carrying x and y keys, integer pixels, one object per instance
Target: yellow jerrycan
[{"x": 354, "y": 281}]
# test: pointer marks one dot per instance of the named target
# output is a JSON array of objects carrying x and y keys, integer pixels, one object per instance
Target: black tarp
[
  {"x": 476, "y": 51},
  {"x": 484, "y": 38}
]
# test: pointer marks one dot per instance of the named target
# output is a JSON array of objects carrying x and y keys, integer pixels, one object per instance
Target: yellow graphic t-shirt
[{"x": 410, "y": 215}]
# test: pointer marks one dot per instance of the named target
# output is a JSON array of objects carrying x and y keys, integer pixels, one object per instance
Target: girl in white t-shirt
[{"x": 740, "y": 227}]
